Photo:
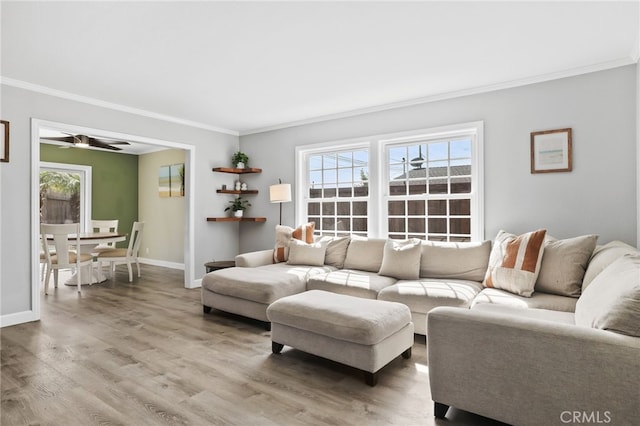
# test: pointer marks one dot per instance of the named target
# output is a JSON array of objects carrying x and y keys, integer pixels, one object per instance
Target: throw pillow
[
  {"x": 563, "y": 265},
  {"x": 604, "y": 256},
  {"x": 401, "y": 259},
  {"x": 514, "y": 262},
  {"x": 336, "y": 250},
  {"x": 612, "y": 300},
  {"x": 284, "y": 234},
  {"x": 301, "y": 253},
  {"x": 364, "y": 254}
]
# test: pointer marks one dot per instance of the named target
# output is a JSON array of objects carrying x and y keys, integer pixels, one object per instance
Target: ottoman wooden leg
[
  {"x": 439, "y": 410},
  {"x": 406, "y": 354},
  {"x": 206, "y": 309},
  {"x": 276, "y": 348},
  {"x": 371, "y": 378}
]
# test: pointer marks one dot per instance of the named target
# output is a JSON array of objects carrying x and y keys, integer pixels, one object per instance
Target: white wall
[
  {"x": 19, "y": 106},
  {"x": 163, "y": 235},
  {"x": 598, "y": 196}
]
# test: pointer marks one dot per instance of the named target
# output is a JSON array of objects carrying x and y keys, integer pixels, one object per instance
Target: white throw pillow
[
  {"x": 401, "y": 259},
  {"x": 301, "y": 253},
  {"x": 514, "y": 262},
  {"x": 336, "y": 250},
  {"x": 563, "y": 265},
  {"x": 284, "y": 235},
  {"x": 612, "y": 300}
]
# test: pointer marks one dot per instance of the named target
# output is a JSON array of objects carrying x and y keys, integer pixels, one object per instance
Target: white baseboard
[
  {"x": 17, "y": 318},
  {"x": 196, "y": 283},
  {"x": 163, "y": 263}
]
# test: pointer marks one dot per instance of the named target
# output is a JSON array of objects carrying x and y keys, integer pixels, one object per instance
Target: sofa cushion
[
  {"x": 604, "y": 256},
  {"x": 350, "y": 282},
  {"x": 564, "y": 263},
  {"x": 461, "y": 261},
  {"x": 284, "y": 234},
  {"x": 264, "y": 284},
  {"x": 537, "y": 300},
  {"x": 423, "y": 294},
  {"x": 532, "y": 313},
  {"x": 336, "y": 250},
  {"x": 351, "y": 319},
  {"x": 365, "y": 254},
  {"x": 301, "y": 253},
  {"x": 401, "y": 259},
  {"x": 612, "y": 300},
  {"x": 514, "y": 262}
]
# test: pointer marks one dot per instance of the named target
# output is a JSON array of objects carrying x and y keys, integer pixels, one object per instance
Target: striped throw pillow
[
  {"x": 515, "y": 261},
  {"x": 284, "y": 234}
]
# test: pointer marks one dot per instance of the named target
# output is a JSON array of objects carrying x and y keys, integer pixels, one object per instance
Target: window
[
  {"x": 65, "y": 193},
  {"x": 423, "y": 184},
  {"x": 429, "y": 189},
  {"x": 337, "y": 191}
]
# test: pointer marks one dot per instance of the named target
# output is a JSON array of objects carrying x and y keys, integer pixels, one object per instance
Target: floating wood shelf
[
  {"x": 236, "y": 219},
  {"x": 233, "y": 191},
  {"x": 237, "y": 171}
]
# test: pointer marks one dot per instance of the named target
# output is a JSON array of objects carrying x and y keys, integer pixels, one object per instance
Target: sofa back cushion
[
  {"x": 612, "y": 300},
  {"x": 401, "y": 259},
  {"x": 564, "y": 263},
  {"x": 336, "y": 250},
  {"x": 301, "y": 253},
  {"x": 365, "y": 254},
  {"x": 604, "y": 256},
  {"x": 456, "y": 261}
]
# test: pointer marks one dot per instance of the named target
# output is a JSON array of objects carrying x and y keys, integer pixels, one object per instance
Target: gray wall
[
  {"x": 598, "y": 196},
  {"x": 213, "y": 149}
]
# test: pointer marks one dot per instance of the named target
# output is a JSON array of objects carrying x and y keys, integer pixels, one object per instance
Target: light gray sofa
[
  {"x": 450, "y": 274},
  {"x": 543, "y": 366}
]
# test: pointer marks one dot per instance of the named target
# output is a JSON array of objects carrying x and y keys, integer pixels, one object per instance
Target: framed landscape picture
[{"x": 551, "y": 151}]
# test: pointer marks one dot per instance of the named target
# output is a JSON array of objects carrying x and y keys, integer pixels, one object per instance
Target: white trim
[
  {"x": 110, "y": 105},
  {"x": 18, "y": 318},
  {"x": 631, "y": 59},
  {"x": 86, "y": 184},
  {"x": 163, "y": 263},
  {"x": 189, "y": 235}
]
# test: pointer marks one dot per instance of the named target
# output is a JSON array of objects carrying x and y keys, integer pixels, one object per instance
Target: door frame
[{"x": 190, "y": 156}]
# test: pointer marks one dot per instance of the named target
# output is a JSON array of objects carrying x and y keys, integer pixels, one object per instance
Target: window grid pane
[{"x": 338, "y": 192}]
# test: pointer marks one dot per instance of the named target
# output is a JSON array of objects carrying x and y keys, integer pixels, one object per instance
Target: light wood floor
[{"x": 144, "y": 354}]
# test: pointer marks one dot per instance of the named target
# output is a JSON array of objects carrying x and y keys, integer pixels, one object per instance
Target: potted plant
[
  {"x": 238, "y": 206},
  {"x": 240, "y": 160}
]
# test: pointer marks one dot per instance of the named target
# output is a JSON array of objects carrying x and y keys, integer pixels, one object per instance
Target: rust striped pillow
[
  {"x": 515, "y": 261},
  {"x": 284, "y": 234}
]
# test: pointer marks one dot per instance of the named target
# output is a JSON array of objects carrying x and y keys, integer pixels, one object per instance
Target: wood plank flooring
[{"x": 145, "y": 354}]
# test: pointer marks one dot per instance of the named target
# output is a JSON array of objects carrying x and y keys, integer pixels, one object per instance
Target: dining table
[{"x": 88, "y": 242}]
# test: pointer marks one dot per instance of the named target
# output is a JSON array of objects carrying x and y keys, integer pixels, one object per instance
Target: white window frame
[
  {"x": 378, "y": 171},
  {"x": 85, "y": 187}
]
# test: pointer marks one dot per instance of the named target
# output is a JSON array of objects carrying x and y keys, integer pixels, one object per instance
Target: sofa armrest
[
  {"x": 531, "y": 371},
  {"x": 255, "y": 258}
]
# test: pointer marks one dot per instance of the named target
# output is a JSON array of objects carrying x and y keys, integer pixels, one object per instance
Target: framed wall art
[
  {"x": 4, "y": 141},
  {"x": 551, "y": 151}
]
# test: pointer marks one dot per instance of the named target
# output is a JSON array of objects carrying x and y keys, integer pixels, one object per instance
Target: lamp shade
[{"x": 280, "y": 193}]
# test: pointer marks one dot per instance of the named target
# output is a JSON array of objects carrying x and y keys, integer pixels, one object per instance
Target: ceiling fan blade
[
  {"x": 60, "y": 138},
  {"x": 98, "y": 144},
  {"x": 115, "y": 142}
]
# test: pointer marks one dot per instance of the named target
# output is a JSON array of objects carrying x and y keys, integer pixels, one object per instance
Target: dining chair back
[
  {"x": 122, "y": 255},
  {"x": 104, "y": 226},
  {"x": 62, "y": 238}
]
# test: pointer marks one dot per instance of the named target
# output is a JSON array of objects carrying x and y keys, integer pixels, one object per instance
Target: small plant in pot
[
  {"x": 240, "y": 160},
  {"x": 238, "y": 206}
]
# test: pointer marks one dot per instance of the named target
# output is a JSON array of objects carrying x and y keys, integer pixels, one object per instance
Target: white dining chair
[
  {"x": 104, "y": 226},
  {"x": 122, "y": 255},
  {"x": 62, "y": 237}
]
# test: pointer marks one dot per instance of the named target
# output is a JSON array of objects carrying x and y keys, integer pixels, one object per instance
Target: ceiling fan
[{"x": 84, "y": 141}]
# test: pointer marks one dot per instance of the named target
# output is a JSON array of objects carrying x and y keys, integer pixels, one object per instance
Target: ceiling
[{"x": 243, "y": 67}]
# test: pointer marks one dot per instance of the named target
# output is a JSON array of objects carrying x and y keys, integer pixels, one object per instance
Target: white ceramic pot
[
  {"x": 238, "y": 213},
  {"x": 240, "y": 166}
]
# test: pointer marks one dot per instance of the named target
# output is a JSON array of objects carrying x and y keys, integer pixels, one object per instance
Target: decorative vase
[
  {"x": 238, "y": 213},
  {"x": 240, "y": 165}
]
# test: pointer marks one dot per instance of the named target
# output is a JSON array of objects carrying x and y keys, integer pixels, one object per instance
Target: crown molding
[
  {"x": 455, "y": 94},
  {"x": 110, "y": 105}
]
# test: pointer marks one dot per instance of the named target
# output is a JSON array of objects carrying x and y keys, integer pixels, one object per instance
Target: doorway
[{"x": 39, "y": 125}]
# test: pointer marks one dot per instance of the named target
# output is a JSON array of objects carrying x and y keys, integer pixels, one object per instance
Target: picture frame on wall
[
  {"x": 551, "y": 151},
  {"x": 4, "y": 141}
]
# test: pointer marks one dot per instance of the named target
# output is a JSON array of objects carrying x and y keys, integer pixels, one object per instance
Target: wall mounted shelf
[
  {"x": 233, "y": 191},
  {"x": 237, "y": 192},
  {"x": 236, "y": 219},
  {"x": 237, "y": 171}
]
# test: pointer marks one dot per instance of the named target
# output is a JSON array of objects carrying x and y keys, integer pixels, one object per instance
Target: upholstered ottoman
[{"x": 362, "y": 333}]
